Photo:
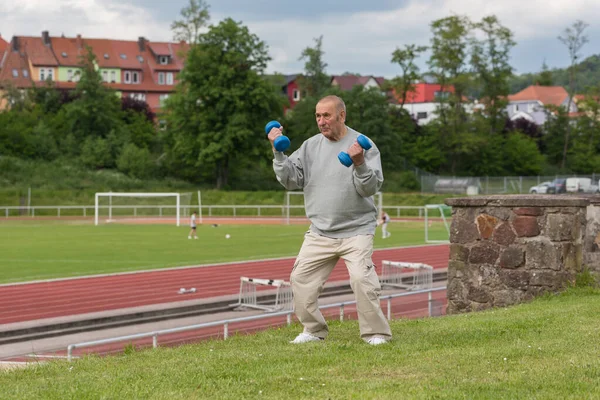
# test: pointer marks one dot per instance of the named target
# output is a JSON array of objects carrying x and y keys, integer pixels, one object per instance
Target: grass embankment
[
  {"x": 60, "y": 183},
  {"x": 547, "y": 349}
]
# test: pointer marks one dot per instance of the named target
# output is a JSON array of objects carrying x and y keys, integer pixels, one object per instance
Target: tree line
[{"x": 211, "y": 130}]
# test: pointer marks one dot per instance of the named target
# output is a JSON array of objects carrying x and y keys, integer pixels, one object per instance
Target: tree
[
  {"x": 544, "y": 78},
  {"x": 221, "y": 104},
  {"x": 490, "y": 61},
  {"x": 521, "y": 155},
  {"x": 315, "y": 81},
  {"x": 194, "y": 17},
  {"x": 574, "y": 39},
  {"x": 405, "y": 58},
  {"x": 584, "y": 157},
  {"x": 16, "y": 99},
  {"x": 448, "y": 64},
  {"x": 96, "y": 110}
]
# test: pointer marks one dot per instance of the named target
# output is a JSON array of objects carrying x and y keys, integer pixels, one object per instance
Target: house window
[
  {"x": 25, "y": 73},
  {"x": 42, "y": 74},
  {"x": 530, "y": 108},
  {"x": 70, "y": 75},
  {"x": 163, "y": 98},
  {"x": 516, "y": 108},
  {"x": 15, "y": 73},
  {"x": 441, "y": 95},
  {"x": 169, "y": 78},
  {"x": 127, "y": 77},
  {"x": 105, "y": 76},
  {"x": 138, "y": 96},
  {"x": 113, "y": 76},
  {"x": 123, "y": 56},
  {"x": 296, "y": 95},
  {"x": 46, "y": 73},
  {"x": 422, "y": 115},
  {"x": 164, "y": 60},
  {"x": 135, "y": 77},
  {"x": 161, "y": 78},
  {"x": 64, "y": 54}
]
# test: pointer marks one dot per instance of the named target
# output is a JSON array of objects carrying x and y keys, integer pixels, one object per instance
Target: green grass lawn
[
  {"x": 32, "y": 250},
  {"x": 547, "y": 349}
]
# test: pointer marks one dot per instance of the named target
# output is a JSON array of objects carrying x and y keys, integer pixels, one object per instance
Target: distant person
[
  {"x": 384, "y": 221},
  {"x": 339, "y": 204},
  {"x": 193, "y": 226}
]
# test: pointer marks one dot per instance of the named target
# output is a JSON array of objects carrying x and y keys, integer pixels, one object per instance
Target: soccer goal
[
  {"x": 264, "y": 294},
  {"x": 294, "y": 205},
  {"x": 437, "y": 228},
  {"x": 406, "y": 275},
  {"x": 112, "y": 206}
]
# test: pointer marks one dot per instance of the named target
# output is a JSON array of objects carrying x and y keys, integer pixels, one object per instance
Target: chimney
[
  {"x": 46, "y": 38},
  {"x": 79, "y": 42},
  {"x": 142, "y": 43},
  {"x": 15, "y": 43}
]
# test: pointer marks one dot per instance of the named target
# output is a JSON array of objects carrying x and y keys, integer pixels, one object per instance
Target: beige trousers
[{"x": 312, "y": 268}]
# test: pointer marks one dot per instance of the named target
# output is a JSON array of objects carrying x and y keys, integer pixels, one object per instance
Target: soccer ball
[{"x": 227, "y": 236}]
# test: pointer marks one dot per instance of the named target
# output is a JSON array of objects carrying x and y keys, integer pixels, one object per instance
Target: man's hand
[
  {"x": 274, "y": 134},
  {"x": 356, "y": 153}
]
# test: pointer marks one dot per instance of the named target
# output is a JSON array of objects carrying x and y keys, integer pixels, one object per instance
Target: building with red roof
[
  {"x": 347, "y": 82},
  {"x": 140, "y": 69},
  {"x": 530, "y": 103},
  {"x": 422, "y": 102},
  {"x": 3, "y": 47}
]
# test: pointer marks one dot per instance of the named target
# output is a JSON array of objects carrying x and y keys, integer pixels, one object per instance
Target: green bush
[{"x": 136, "y": 162}]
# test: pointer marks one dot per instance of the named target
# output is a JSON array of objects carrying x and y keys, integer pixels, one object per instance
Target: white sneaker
[
  {"x": 195, "y": 237},
  {"x": 189, "y": 237},
  {"x": 305, "y": 338},
  {"x": 375, "y": 341}
]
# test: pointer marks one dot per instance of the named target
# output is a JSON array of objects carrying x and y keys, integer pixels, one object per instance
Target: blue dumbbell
[
  {"x": 345, "y": 157},
  {"x": 282, "y": 142}
]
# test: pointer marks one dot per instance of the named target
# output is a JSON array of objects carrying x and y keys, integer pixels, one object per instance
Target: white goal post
[
  {"x": 110, "y": 195},
  {"x": 441, "y": 208}
]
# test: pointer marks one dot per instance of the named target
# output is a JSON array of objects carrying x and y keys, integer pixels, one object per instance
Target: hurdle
[
  {"x": 249, "y": 298},
  {"x": 406, "y": 275}
]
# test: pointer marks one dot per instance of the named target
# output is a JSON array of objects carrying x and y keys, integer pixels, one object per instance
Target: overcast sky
[{"x": 358, "y": 35}]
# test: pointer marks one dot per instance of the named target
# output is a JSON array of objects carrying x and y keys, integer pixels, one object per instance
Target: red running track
[{"x": 59, "y": 298}]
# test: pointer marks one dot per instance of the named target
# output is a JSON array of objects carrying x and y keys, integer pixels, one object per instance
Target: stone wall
[
  {"x": 591, "y": 241},
  {"x": 508, "y": 249}
]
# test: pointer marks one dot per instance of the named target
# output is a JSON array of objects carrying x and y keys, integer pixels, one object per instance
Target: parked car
[
  {"x": 541, "y": 188},
  {"x": 581, "y": 185},
  {"x": 575, "y": 185},
  {"x": 593, "y": 188},
  {"x": 559, "y": 185}
]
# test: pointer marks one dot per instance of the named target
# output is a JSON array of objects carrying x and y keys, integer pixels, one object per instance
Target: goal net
[
  {"x": 120, "y": 206},
  {"x": 437, "y": 223}
]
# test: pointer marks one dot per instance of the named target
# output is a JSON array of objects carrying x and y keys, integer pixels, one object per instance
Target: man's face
[{"x": 330, "y": 121}]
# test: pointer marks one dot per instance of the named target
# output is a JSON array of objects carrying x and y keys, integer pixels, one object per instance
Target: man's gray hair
[{"x": 339, "y": 103}]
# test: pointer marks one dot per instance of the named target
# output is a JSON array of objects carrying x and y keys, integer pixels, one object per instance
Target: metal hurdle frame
[
  {"x": 406, "y": 275},
  {"x": 248, "y": 297}
]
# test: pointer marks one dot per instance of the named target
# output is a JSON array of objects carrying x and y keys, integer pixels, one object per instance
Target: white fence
[
  {"x": 225, "y": 323},
  {"x": 169, "y": 210}
]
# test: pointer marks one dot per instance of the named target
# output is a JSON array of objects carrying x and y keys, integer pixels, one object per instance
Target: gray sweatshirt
[{"x": 338, "y": 199}]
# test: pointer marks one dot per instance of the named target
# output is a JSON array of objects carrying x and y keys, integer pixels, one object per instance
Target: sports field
[{"x": 34, "y": 250}]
